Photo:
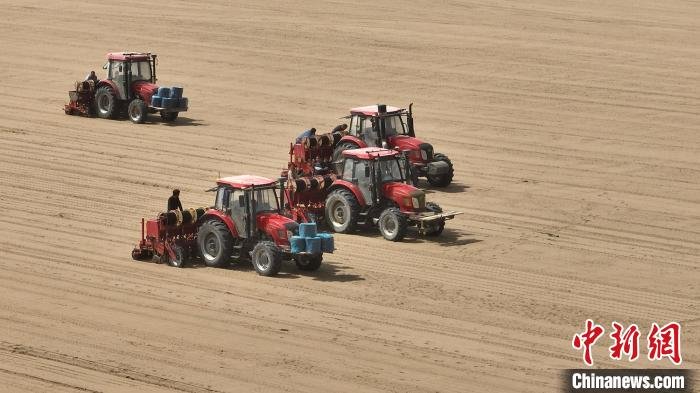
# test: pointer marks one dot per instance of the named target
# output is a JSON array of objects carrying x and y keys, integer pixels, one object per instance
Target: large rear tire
[
  {"x": 137, "y": 111},
  {"x": 338, "y": 154},
  {"x": 308, "y": 263},
  {"x": 444, "y": 179},
  {"x": 393, "y": 224},
  {"x": 342, "y": 210},
  {"x": 106, "y": 103},
  {"x": 266, "y": 258},
  {"x": 215, "y": 243}
]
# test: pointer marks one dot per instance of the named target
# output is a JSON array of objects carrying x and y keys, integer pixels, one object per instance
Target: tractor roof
[
  {"x": 245, "y": 181},
  {"x": 368, "y": 153},
  {"x": 121, "y": 56},
  {"x": 371, "y": 110}
]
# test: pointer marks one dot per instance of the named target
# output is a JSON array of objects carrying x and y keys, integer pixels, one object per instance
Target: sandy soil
[{"x": 574, "y": 128}]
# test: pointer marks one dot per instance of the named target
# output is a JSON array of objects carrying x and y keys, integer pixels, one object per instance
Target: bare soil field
[{"x": 574, "y": 128}]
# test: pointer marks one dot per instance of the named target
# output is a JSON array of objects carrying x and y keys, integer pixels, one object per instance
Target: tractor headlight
[
  {"x": 290, "y": 234},
  {"x": 424, "y": 155},
  {"x": 416, "y": 202}
]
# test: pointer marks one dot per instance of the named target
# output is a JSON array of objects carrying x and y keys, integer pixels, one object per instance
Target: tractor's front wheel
[
  {"x": 215, "y": 243},
  {"x": 137, "y": 111},
  {"x": 308, "y": 263},
  {"x": 180, "y": 257},
  {"x": 342, "y": 210},
  {"x": 266, "y": 258},
  {"x": 392, "y": 224},
  {"x": 442, "y": 180},
  {"x": 106, "y": 103},
  {"x": 168, "y": 116}
]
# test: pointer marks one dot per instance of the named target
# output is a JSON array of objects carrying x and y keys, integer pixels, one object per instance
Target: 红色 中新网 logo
[{"x": 661, "y": 341}]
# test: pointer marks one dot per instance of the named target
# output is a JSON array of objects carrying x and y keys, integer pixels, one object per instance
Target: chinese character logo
[
  {"x": 665, "y": 342},
  {"x": 625, "y": 342},
  {"x": 662, "y": 342},
  {"x": 586, "y": 340}
]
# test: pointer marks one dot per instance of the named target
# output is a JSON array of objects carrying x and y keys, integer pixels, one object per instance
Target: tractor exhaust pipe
[
  {"x": 282, "y": 181},
  {"x": 381, "y": 110}
]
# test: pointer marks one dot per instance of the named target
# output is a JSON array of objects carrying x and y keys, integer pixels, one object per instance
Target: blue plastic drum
[
  {"x": 156, "y": 101},
  {"x": 168, "y": 103},
  {"x": 298, "y": 244},
  {"x": 307, "y": 229},
  {"x": 313, "y": 245},
  {"x": 163, "y": 92},
  {"x": 183, "y": 103},
  {"x": 327, "y": 242},
  {"x": 176, "y": 92}
]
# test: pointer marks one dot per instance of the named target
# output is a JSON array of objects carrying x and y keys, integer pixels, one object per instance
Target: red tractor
[
  {"x": 130, "y": 87},
  {"x": 245, "y": 221},
  {"x": 392, "y": 127},
  {"x": 369, "y": 189}
]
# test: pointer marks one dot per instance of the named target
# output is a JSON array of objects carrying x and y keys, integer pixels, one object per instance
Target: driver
[{"x": 92, "y": 77}]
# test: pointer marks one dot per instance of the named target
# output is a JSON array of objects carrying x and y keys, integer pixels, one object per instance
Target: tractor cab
[
  {"x": 244, "y": 197},
  {"x": 125, "y": 69},
  {"x": 392, "y": 127},
  {"x": 374, "y": 171},
  {"x": 375, "y": 123}
]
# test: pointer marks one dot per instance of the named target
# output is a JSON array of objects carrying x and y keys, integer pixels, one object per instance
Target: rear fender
[
  {"x": 112, "y": 85},
  {"x": 353, "y": 139},
  {"x": 344, "y": 184},
  {"x": 213, "y": 214}
]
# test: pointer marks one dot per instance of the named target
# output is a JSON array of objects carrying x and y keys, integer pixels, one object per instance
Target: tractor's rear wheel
[
  {"x": 106, "y": 103},
  {"x": 308, "y": 263},
  {"x": 137, "y": 111},
  {"x": 180, "y": 257},
  {"x": 266, "y": 258},
  {"x": 342, "y": 210},
  {"x": 392, "y": 224},
  {"x": 444, "y": 179},
  {"x": 215, "y": 243},
  {"x": 168, "y": 116},
  {"x": 338, "y": 154}
]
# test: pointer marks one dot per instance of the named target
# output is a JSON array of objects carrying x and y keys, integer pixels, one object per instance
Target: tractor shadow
[
  {"x": 453, "y": 188},
  {"x": 182, "y": 122},
  {"x": 327, "y": 272},
  {"x": 449, "y": 238},
  {"x": 154, "y": 120},
  {"x": 332, "y": 273}
]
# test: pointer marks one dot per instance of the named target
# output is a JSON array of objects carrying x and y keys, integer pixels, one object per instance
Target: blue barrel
[
  {"x": 168, "y": 103},
  {"x": 183, "y": 103},
  {"x": 176, "y": 92},
  {"x": 298, "y": 244},
  {"x": 163, "y": 92},
  {"x": 156, "y": 101},
  {"x": 307, "y": 229},
  {"x": 327, "y": 242},
  {"x": 313, "y": 245}
]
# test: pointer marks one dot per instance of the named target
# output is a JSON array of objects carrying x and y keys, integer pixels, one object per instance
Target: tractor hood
[
  {"x": 144, "y": 89},
  {"x": 404, "y": 195},
  {"x": 276, "y": 226},
  {"x": 405, "y": 142}
]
